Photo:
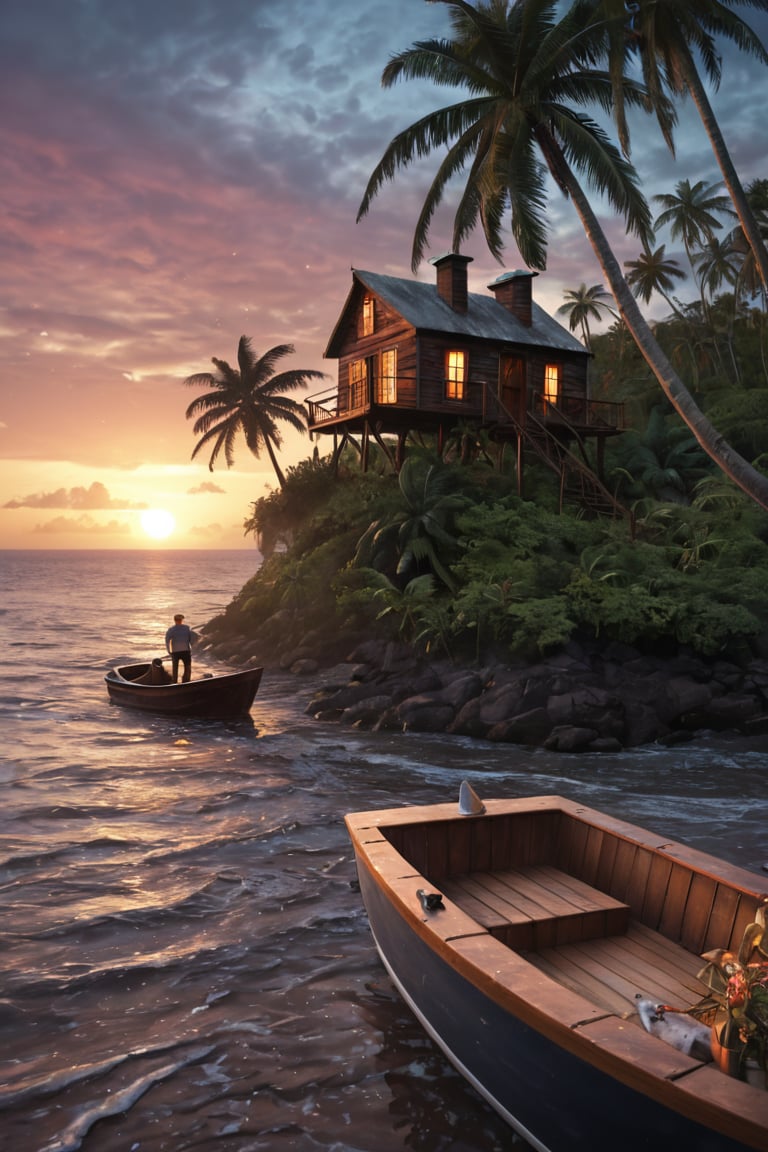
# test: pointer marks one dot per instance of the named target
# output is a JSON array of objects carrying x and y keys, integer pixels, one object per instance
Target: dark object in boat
[
  {"x": 155, "y": 674},
  {"x": 430, "y": 901},
  {"x": 555, "y": 917},
  {"x": 135, "y": 686}
]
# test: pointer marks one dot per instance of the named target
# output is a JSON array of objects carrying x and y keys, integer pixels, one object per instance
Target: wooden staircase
[{"x": 579, "y": 483}]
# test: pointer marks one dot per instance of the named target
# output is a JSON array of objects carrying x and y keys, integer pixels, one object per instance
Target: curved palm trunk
[
  {"x": 273, "y": 458},
  {"x": 722, "y": 155},
  {"x": 752, "y": 482}
]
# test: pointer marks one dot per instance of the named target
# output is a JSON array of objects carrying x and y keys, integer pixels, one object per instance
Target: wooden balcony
[{"x": 580, "y": 415}]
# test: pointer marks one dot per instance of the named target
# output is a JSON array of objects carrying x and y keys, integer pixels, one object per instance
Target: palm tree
[
  {"x": 582, "y": 304},
  {"x": 248, "y": 399},
  {"x": 524, "y": 71},
  {"x": 716, "y": 263},
  {"x": 654, "y": 272},
  {"x": 666, "y": 38},
  {"x": 749, "y": 276},
  {"x": 689, "y": 212}
]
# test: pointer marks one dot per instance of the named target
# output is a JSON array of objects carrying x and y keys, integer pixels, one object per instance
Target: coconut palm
[
  {"x": 654, "y": 272},
  {"x": 524, "y": 72},
  {"x": 248, "y": 399},
  {"x": 667, "y": 39},
  {"x": 582, "y": 304},
  {"x": 690, "y": 214},
  {"x": 717, "y": 263},
  {"x": 749, "y": 275}
]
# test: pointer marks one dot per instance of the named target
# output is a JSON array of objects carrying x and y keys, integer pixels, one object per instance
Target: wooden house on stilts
[{"x": 420, "y": 357}]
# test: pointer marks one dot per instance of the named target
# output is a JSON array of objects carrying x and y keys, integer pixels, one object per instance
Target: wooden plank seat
[
  {"x": 613, "y": 972},
  {"x": 536, "y": 907}
]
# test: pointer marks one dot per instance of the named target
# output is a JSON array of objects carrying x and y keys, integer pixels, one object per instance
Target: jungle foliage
[{"x": 450, "y": 559}]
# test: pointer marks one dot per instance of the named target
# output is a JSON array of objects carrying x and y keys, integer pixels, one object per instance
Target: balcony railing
[{"x": 577, "y": 411}]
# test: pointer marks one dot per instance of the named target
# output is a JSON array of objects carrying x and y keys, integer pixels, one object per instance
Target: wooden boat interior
[
  {"x": 605, "y": 909},
  {"x": 151, "y": 673}
]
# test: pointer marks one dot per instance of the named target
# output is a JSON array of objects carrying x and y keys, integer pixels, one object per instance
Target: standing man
[{"x": 178, "y": 641}]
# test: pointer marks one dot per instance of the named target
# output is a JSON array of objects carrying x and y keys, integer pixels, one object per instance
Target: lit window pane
[
  {"x": 552, "y": 383},
  {"x": 455, "y": 375},
  {"x": 368, "y": 316},
  {"x": 386, "y": 392}
]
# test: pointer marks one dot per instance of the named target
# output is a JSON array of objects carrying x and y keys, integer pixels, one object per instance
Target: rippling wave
[{"x": 185, "y": 960}]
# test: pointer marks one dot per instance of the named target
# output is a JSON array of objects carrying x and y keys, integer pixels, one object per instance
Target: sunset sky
[{"x": 177, "y": 173}]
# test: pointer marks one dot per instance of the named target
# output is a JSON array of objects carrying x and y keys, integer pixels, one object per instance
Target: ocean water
[{"x": 184, "y": 959}]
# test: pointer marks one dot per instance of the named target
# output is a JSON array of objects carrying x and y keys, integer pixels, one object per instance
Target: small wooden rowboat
[
  {"x": 521, "y": 935},
  {"x": 228, "y": 695}
]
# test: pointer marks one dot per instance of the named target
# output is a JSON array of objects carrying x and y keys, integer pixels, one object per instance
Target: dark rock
[
  {"x": 568, "y": 707},
  {"x": 732, "y": 711},
  {"x": 468, "y": 721},
  {"x": 465, "y": 686},
  {"x": 528, "y": 728},
  {"x": 587, "y": 697},
  {"x": 642, "y": 725},
  {"x": 424, "y": 714},
  {"x": 683, "y": 695},
  {"x": 678, "y": 736},
  {"x": 565, "y": 738},
  {"x": 606, "y": 744},
  {"x": 413, "y": 685},
  {"x": 365, "y": 713},
  {"x": 342, "y": 697}
]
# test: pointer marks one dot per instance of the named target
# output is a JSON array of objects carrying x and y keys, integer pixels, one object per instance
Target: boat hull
[
  {"x": 231, "y": 694},
  {"x": 565, "y": 1076}
]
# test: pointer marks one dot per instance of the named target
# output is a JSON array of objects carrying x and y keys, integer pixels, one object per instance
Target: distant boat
[
  {"x": 230, "y": 694},
  {"x": 529, "y": 937}
]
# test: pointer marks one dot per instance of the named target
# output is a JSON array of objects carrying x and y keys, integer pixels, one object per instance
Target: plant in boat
[{"x": 739, "y": 985}]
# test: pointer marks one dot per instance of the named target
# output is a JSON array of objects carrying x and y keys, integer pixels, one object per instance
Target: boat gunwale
[
  {"x": 115, "y": 676},
  {"x": 601, "y": 1038}
]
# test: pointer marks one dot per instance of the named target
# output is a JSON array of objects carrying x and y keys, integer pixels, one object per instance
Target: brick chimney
[
  {"x": 513, "y": 290},
  {"x": 452, "y": 280}
]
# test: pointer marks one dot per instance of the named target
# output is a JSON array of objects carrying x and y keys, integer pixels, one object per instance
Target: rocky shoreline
[{"x": 586, "y": 698}]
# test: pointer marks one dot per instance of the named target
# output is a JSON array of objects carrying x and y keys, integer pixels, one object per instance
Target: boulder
[
  {"x": 682, "y": 694},
  {"x": 424, "y": 714},
  {"x": 341, "y": 697},
  {"x": 365, "y": 713},
  {"x": 528, "y": 728},
  {"x": 730, "y": 712},
  {"x": 501, "y": 703},
  {"x": 642, "y": 725},
  {"x": 463, "y": 687},
  {"x": 566, "y": 738},
  {"x": 606, "y": 744}
]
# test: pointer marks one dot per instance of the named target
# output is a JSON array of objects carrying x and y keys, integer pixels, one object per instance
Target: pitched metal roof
[{"x": 421, "y": 306}]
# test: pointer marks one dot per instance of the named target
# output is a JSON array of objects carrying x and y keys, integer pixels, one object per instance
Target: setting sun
[{"x": 157, "y": 523}]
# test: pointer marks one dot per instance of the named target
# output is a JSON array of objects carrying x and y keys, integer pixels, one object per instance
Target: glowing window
[
  {"x": 455, "y": 375},
  {"x": 386, "y": 388},
  {"x": 551, "y": 384},
  {"x": 367, "y": 315}
]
